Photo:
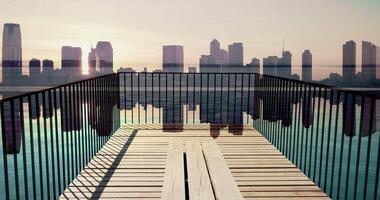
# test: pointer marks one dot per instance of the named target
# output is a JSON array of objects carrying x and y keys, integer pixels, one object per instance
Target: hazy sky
[{"x": 137, "y": 29}]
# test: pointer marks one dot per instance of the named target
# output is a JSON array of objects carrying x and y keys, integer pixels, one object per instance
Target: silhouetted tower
[
  {"x": 284, "y": 69},
  {"x": 235, "y": 54},
  {"x": 11, "y": 53},
  {"x": 34, "y": 67},
  {"x": 270, "y": 65},
  {"x": 172, "y": 56},
  {"x": 368, "y": 60},
  {"x": 92, "y": 61},
  {"x": 215, "y": 49},
  {"x": 307, "y": 66},
  {"x": 47, "y": 65},
  {"x": 71, "y": 57},
  {"x": 104, "y": 55},
  {"x": 349, "y": 59}
]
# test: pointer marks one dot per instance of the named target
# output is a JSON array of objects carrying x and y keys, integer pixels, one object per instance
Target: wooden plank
[
  {"x": 174, "y": 181},
  {"x": 199, "y": 181},
  {"x": 222, "y": 181},
  {"x": 259, "y": 170}
]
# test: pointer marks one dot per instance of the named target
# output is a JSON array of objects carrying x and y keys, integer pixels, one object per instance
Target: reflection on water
[{"x": 327, "y": 134}]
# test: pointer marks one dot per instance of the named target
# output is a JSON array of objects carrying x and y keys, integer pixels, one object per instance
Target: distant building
[
  {"x": 214, "y": 48},
  {"x": 92, "y": 60},
  {"x": 253, "y": 66},
  {"x": 207, "y": 64},
  {"x": 270, "y": 65},
  {"x": 104, "y": 57},
  {"x": 307, "y": 66},
  {"x": 368, "y": 60},
  {"x": 11, "y": 53},
  {"x": 192, "y": 70},
  {"x": 71, "y": 57},
  {"x": 284, "y": 67},
  {"x": 223, "y": 57},
  {"x": 173, "y": 58},
  {"x": 34, "y": 67},
  {"x": 235, "y": 54},
  {"x": 349, "y": 59},
  {"x": 47, "y": 65}
]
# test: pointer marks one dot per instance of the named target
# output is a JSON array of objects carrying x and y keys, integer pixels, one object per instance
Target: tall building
[
  {"x": 270, "y": 65},
  {"x": 92, "y": 61},
  {"x": 368, "y": 60},
  {"x": 11, "y": 53},
  {"x": 214, "y": 62},
  {"x": 172, "y": 56},
  {"x": 349, "y": 59},
  {"x": 214, "y": 48},
  {"x": 284, "y": 67},
  {"x": 71, "y": 57},
  {"x": 253, "y": 66},
  {"x": 223, "y": 57},
  {"x": 47, "y": 65},
  {"x": 34, "y": 67},
  {"x": 104, "y": 55},
  {"x": 307, "y": 66},
  {"x": 235, "y": 54}
]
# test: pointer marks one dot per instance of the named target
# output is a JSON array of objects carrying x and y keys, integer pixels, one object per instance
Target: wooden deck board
[
  {"x": 200, "y": 187},
  {"x": 174, "y": 181},
  {"x": 257, "y": 168}
]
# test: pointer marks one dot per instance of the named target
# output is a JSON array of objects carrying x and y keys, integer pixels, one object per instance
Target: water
[{"x": 310, "y": 143}]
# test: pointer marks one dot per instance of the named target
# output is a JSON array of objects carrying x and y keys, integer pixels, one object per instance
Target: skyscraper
[
  {"x": 223, "y": 57},
  {"x": 235, "y": 54},
  {"x": 284, "y": 67},
  {"x": 270, "y": 65},
  {"x": 71, "y": 57},
  {"x": 214, "y": 48},
  {"x": 307, "y": 66},
  {"x": 104, "y": 55},
  {"x": 349, "y": 59},
  {"x": 34, "y": 67},
  {"x": 11, "y": 53},
  {"x": 92, "y": 61},
  {"x": 172, "y": 56},
  {"x": 47, "y": 65},
  {"x": 214, "y": 62},
  {"x": 368, "y": 60}
]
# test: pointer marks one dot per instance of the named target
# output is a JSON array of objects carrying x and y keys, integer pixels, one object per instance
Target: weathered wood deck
[{"x": 144, "y": 162}]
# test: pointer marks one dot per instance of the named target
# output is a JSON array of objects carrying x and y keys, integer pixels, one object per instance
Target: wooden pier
[{"x": 193, "y": 162}]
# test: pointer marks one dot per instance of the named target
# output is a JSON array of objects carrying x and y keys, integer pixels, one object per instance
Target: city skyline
[
  {"x": 153, "y": 29},
  {"x": 100, "y": 60}
]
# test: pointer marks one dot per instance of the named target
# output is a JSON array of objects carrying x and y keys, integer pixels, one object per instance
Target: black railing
[
  {"x": 49, "y": 136},
  {"x": 329, "y": 133}
]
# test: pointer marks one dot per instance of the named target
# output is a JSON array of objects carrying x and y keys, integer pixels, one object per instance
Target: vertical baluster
[{"x": 24, "y": 161}]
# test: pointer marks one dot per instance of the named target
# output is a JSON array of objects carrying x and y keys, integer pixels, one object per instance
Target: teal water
[{"x": 320, "y": 159}]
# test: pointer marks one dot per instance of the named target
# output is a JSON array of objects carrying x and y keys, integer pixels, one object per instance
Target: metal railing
[
  {"x": 49, "y": 136},
  {"x": 329, "y": 133}
]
